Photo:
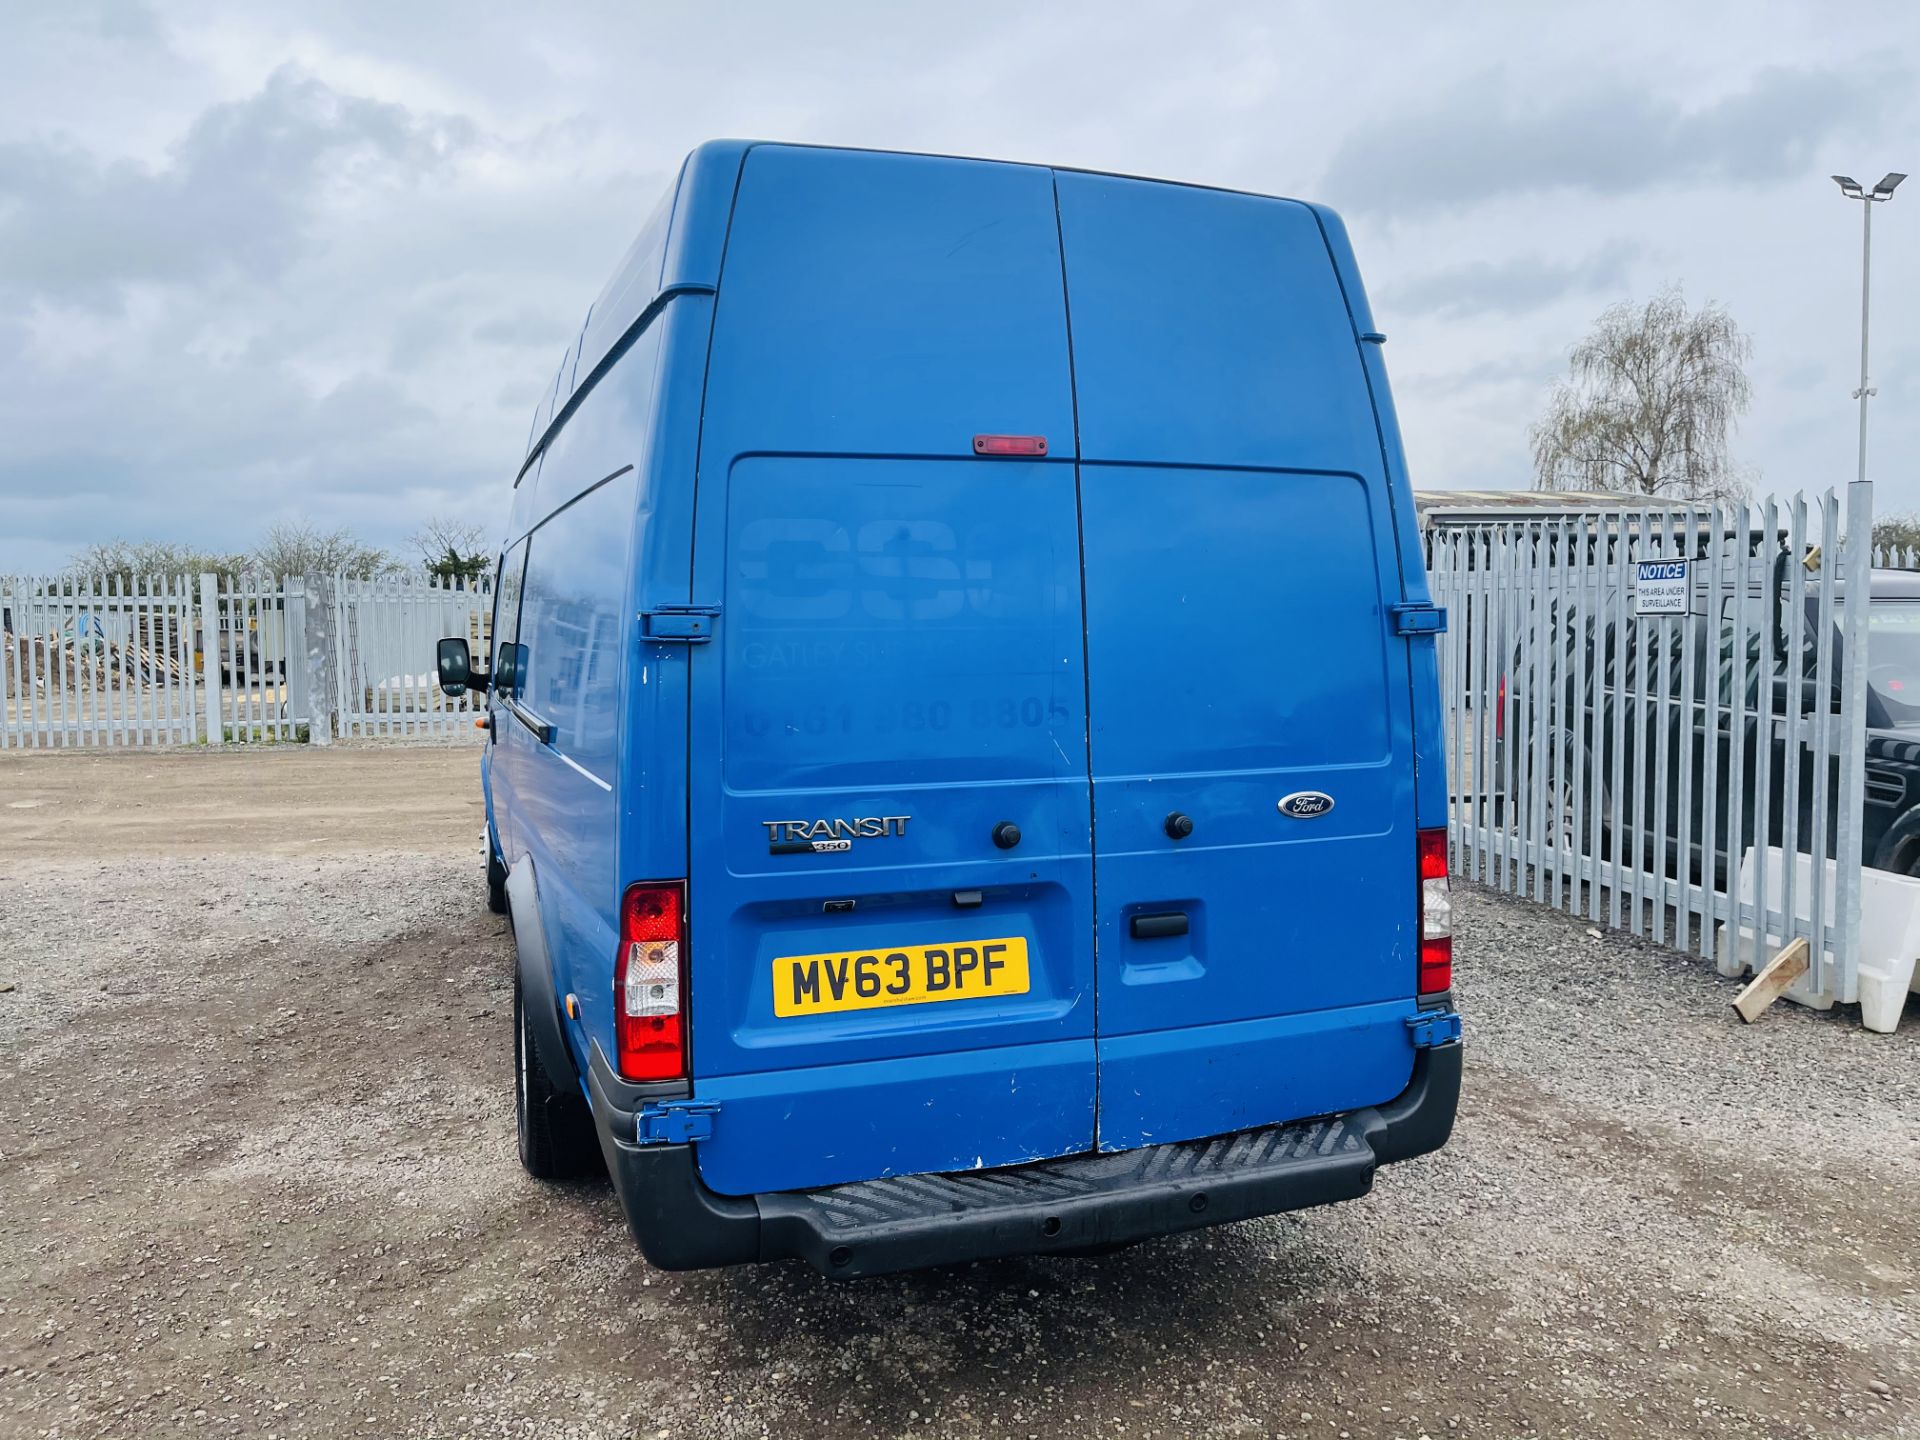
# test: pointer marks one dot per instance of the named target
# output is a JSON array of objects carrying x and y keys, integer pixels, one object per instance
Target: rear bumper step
[{"x": 1053, "y": 1206}]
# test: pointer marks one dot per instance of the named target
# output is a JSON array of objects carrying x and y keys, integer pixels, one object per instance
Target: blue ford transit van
[{"x": 964, "y": 756}]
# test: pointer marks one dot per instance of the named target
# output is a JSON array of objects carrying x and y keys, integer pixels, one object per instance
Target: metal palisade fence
[
  {"x": 93, "y": 661},
  {"x": 254, "y": 666},
  {"x": 192, "y": 659},
  {"x": 384, "y": 630},
  {"x": 1656, "y": 719}
]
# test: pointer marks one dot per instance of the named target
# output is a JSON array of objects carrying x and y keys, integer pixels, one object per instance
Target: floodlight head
[
  {"x": 1888, "y": 184},
  {"x": 1849, "y": 186}
]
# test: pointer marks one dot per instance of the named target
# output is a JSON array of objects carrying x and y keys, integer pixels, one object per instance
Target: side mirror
[
  {"x": 455, "y": 662},
  {"x": 506, "y": 668}
]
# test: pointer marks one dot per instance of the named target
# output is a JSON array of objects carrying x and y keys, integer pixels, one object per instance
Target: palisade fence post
[
  {"x": 299, "y": 695},
  {"x": 1853, "y": 762},
  {"x": 317, "y": 659},
  {"x": 210, "y": 655}
]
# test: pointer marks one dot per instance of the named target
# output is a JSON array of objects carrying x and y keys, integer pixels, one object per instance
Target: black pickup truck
[
  {"x": 1650, "y": 658},
  {"x": 1893, "y": 723}
]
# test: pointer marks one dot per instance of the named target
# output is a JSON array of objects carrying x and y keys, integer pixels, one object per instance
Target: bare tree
[
  {"x": 453, "y": 549},
  {"x": 1897, "y": 531},
  {"x": 440, "y": 533},
  {"x": 295, "y": 547},
  {"x": 127, "y": 560},
  {"x": 1653, "y": 394}
]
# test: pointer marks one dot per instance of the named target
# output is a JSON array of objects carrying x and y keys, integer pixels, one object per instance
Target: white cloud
[
  {"x": 240, "y": 194},
  {"x": 1493, "y": 135},
  {"x": 1513, "y": 285}
]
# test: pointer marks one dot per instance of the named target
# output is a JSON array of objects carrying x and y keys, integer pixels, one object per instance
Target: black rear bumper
[{"x": 1080, "y": 1202}]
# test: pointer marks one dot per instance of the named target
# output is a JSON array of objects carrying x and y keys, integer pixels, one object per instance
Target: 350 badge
[{"x": 902, "y": 975}]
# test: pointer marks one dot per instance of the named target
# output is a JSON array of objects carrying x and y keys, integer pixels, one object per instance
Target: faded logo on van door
[
  {"x": 1306, "y": 804},
  {"x": 897, "y": 569}
]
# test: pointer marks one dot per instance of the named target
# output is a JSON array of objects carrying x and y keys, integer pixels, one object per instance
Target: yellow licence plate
[{"x": 907, "y": 975}]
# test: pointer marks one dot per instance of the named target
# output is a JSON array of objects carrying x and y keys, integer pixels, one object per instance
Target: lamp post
[
  {"x": 1857, "y": 560},
  {"x": 1853, "y": 190}
]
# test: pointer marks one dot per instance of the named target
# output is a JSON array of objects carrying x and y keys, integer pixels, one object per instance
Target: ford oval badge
[{"x": 1306, "y": 804}]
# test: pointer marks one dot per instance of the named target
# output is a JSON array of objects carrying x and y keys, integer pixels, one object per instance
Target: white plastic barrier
[{"x": 1889, "y": 935}]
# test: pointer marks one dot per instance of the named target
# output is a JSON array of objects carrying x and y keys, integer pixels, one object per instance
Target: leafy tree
[
  {"x": 453, "y": 551},
  {"x": 1652, "y": 396},
  {"x": 296, "y": 547}
]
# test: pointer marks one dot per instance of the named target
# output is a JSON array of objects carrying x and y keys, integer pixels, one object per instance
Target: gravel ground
[{"x": 257, "y": 1177}]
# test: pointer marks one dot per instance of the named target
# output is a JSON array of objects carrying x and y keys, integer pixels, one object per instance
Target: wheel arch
[
  {"x": 535, "y": 966},
  {"x": 1899, "y": 847}
]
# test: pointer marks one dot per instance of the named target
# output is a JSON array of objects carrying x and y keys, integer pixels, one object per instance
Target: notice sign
[{"x": 1660, "y": 587}]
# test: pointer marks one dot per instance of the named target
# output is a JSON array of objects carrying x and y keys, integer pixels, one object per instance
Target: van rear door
[
  {"x": 877, "y": 986},
  {"x": 1240, "y": 576}
]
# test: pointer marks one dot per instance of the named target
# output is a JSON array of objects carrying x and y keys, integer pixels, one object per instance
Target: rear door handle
[{"x": 1153, "y": 927}]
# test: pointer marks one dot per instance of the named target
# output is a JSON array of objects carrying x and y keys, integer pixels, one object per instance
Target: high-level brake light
[
  {"x": 649, "y": 983},
  {"x": 1436, "y": 915},
  {"x": 1009, "y": 444}
]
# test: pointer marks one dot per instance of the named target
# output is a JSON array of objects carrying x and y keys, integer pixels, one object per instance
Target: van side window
[
  {"x": 506, "y": 620},
  {"x": 571, "y": 614}
]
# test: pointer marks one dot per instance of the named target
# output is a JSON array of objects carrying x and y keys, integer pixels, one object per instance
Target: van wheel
[
  {"x": 556, "y": 1132},
  {"x": 496, "y": 884}
]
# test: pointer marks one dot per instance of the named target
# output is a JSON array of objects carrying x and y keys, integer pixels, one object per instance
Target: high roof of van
[{"x": 680, "y": 247}]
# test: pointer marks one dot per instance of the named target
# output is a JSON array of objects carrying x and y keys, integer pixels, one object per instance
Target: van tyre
[
  {"x": 496, "y": 884},
  {"x": 555, "y": 1130}
]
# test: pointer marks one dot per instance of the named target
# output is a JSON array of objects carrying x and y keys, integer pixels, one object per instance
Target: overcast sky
[{"x": 262, "y": 261}]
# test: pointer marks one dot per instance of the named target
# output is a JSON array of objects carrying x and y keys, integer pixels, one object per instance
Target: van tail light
[
  {"x": 650, "y": 983},
  {"x": 1500, "y": 712},
  {"x": 1436, "y": 914}
]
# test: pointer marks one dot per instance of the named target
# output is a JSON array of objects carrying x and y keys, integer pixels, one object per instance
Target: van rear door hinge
[
  {"x": 1419, "y": 619},
  {"x": 687, "y": 624},
  {"x": 1433, "y": 1028},
  {"x": 674, "y": 1122}
]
